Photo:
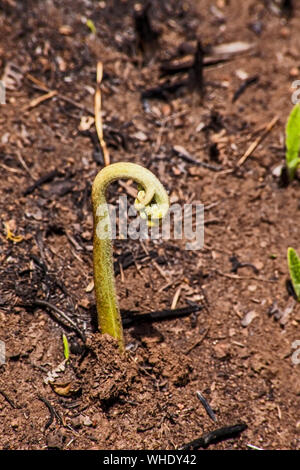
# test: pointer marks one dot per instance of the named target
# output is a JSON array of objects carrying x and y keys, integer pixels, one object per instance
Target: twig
[
  {"x": 73, "y": 241},
  {"x": 197, "y": 343},
  {"x": 172, "y": 68},
  {"x": 137, "y": 267},
  {"x": 122, "y": 273},
  {"x": 212, "y": 221},
  {"x": 207, "y": 406},
  {"x": 169, "y": 284},
  {"x": 236, "y": 264},
  {"x": 44, "y": 303},
  {"x": 246, "y": 83},
  {"x": 164, "y": 90},
  {"x": 51, "y": 411},
  {"x": 44, "y": 87},
  {"x": 175, "y": 298},
  {"x": 251, "y": 446},
  {"x": 256, "y": 143},
  {"x": 210, "y": 206},
  {"x": 12, "y": 170},
  {"x": 182, "y": 153},
  {"x": 44, "y": 179},
  {"x": 241, "y": 278},
  {"x": 159, "y": 315},
  {"x": 98, "y": 117},
  {"x": 196, "y": 72},
  {"x": 8, "y": 399},
  {"x": 129, "y": 189},
  {"x": 36, "y": 101},
  {"x": 215, "y": 436},
  {"x": 37, "y": 82},
  {"x": 157, "y": 267},
  {"x": 24, "y": 165}
]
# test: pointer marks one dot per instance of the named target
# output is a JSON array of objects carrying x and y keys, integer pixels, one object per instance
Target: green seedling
[
  {"x": 90, "y": 24},
  {"x": 294, "y": 268},
  {"x": 153, "y": 202},
  {"x": 292, "y": 142},
  {"x": 66, "y": 347}
]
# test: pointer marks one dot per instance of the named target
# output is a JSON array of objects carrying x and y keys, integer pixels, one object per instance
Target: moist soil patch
[{"x": 181, "y": 101}]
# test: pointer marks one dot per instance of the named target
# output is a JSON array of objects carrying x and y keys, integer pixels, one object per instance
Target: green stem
[{"x": 153, "y": 201}]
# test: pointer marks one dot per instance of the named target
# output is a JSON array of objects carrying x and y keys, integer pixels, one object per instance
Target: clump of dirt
[
  {"x": 167, "y": 365},
  {"x": 105, "y": 373}
]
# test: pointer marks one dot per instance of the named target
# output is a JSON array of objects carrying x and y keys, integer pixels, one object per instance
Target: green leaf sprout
[
  {"x": 90, "y": 24},
  {"x": 66, "y": 347},
  {"x": 294, "y": 268},
  {"x": 293, "y": 142}
]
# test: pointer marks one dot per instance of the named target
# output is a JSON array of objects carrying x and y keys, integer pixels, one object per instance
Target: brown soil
[{"x": 148, "y": 399}]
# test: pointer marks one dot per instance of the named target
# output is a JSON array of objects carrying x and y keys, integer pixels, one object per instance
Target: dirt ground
[{"x": 237, "y": 350}]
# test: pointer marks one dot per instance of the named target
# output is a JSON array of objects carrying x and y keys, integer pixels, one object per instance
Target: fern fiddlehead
[{"x": 152, "y": 202}]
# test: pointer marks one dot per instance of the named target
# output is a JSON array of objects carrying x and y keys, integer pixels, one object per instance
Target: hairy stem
[{"x": 152, "y": 201}]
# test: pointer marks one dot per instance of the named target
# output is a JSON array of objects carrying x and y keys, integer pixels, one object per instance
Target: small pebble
[
  {"x": 252, "y": 288},
  {"x": 86, "y": 421},
  {"x": 139, "y": 135},
  {"x": 66, "y": 30},
  {"x": 294, "y": 72},
  {"x": 284, "y": 32},
  {"x": 54, "y": 441},
  {"x": 248, "y": 318},
  {"x": 277, "y": 170},
  {"x": 221, "y": 350}
]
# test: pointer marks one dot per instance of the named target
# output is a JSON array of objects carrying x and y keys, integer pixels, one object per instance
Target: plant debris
[{"x": 215, "y": 436}]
